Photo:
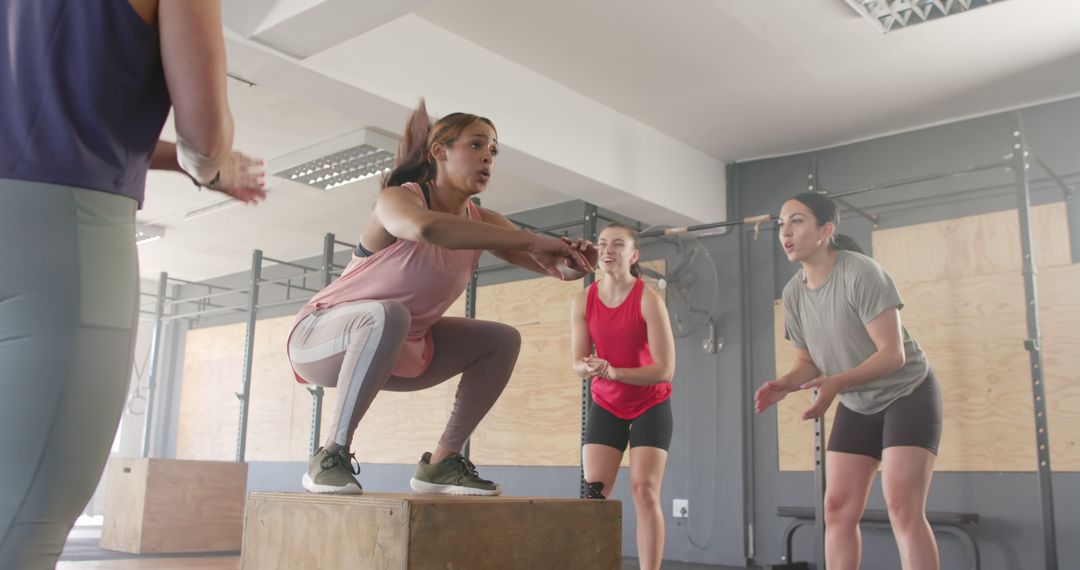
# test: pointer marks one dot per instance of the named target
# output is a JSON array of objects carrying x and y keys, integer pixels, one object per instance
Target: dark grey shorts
[{"x": 914, "y": 420}]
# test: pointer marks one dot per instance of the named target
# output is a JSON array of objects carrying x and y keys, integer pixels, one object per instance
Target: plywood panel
[
  {"x": 417, "y": 532},
  {"x": 168, "y": 505},
  {"x": 274, "y": 432},
  {"x": 973, "y": 330},
  {"x": 795, "y": 451},
  {"x": 209, "y": 411},
  {"x": 537, "y": 420},
  {"x": 193, "y": 506},
  {"x": 125, "y": 488},
  {"x": 1059, "y": 292},
  {"x": 975, "y": 245},
  {"x": 200, "y": 563}
]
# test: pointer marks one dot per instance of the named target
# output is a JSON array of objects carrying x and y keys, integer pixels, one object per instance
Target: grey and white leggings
[
  {"x": 68, "y": 308},
  {"x": 355, "y": 346}
]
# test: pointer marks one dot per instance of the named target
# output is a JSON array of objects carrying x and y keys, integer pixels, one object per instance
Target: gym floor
[{"x": 83, "y": 552}]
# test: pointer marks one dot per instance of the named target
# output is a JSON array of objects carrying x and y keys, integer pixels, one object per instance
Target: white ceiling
[{"x": 632, "y": 105}]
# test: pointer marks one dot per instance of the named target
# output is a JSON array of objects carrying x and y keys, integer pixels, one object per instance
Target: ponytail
[
  {"x": 413, "y": 164},
  {"x": 841, "y": 242}
]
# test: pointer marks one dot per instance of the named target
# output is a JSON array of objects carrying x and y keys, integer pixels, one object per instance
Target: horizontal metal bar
[
  {"x": 207, "y": 296},
  {"x": 533, "y": 228},
  {"x": 289, "y": 263},
  {"x": 561, "y": 226},
  {"x": 1064, "y": 187},
  {"x": 291, "y": 286},
  {"x": 186, "y": 282},
  {"x": 349, "y": 245},
  {"x": 998, "y": 190},
  {"x": 871, "y": 217},
  {"x": 280, "y": 303},
  {"x": 497, "y": 267},
  {"x": 674, "y": 231},
  {"x": 282, "y": 280},
  {"x": 926, "y": 178},
  {"x": 197, "y": 314}
]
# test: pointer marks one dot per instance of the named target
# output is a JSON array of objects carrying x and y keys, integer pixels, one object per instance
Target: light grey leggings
[
  {"x": 68, "y": 309},
  {"x": 356, "y": 345}
]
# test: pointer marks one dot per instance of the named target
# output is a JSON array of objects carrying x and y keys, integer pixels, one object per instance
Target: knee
[
  {"x": 645, "y": 491},
  {"x": 842, "y": 511},
  {"x": 904, "y": 512},
  {"x": 510, "y": 337}
]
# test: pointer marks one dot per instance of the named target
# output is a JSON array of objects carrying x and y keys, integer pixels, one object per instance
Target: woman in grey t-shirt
[{"x": 842, "y": 313}]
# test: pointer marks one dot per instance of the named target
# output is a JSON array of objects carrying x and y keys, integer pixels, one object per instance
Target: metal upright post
[
  {"x": 470, "y": 313},
  {"x": 249, "y": 348},
  {"x": 1032, "y": 344},
  {"x": 819, "y": 491},
  {"x": 317, "y": 391},
  {"x": 588, "y": 232},
  {"x": 155, "y": 351},
  {"x": 812, "y": 185}
]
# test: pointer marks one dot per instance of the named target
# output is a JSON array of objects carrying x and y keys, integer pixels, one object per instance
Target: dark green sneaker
[
  {"x": 332, "y": 473},
  {"x": 454, "y": 475}
]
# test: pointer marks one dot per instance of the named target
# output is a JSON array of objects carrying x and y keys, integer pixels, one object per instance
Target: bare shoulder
[
  {"x": 649, "y": 295},
  {"x": 493, "y": 217},
  {"x": 652, "y": 303},
  {"x": 577, "y": 304},
  {"x": 398, "y": 193}
]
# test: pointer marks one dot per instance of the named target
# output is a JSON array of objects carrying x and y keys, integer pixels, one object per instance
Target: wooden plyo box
[
  {"x": 169, "y": 505},
  {"x": 414, "y": 532}
]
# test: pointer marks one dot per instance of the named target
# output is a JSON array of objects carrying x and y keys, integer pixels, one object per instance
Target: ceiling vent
[{"x": 888, "y": 15}]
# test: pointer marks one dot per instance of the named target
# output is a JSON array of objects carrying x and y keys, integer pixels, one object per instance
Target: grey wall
[
  {"x": 1010, "y": 532},
  {"x": 724, "y": 459}
]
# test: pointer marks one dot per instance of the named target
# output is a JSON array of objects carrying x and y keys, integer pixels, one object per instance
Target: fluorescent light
[
  {"x": 215, "y": 207},
  {"x": 145, "y": 233},
  {"x": 890, "y": 14},
  {"x": 339, "y": 161}
]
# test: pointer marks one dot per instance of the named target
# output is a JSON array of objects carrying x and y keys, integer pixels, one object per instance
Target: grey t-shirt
[{"x": 830, "y": 323}]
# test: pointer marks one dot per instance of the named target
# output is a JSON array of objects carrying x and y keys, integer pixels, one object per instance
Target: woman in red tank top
[{"x": 631, "y": 370}]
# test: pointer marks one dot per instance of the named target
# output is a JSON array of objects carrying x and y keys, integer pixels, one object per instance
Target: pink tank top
[
  {"x": 622, "y": 338},
  {"x": 426, "y": 278}
]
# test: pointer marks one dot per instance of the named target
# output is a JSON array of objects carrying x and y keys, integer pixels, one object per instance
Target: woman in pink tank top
[
  {"x": 631, "y": 371},
  {"x": 380, "y": 326}
]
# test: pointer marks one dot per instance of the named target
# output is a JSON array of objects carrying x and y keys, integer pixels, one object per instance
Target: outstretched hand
[
  {"x": 589, "y": 252},
  {"x": 827, "y": 391},
  {"x": 242, "y": 178},
  {"x": 769, "y": 394},
  {"x": 558, "y": 258}
]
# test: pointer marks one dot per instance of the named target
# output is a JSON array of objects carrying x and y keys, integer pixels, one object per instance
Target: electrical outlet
[{"x": 680, "y": 508}]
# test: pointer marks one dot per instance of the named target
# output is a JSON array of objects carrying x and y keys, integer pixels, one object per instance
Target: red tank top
[{"x": 621, "y": 337}]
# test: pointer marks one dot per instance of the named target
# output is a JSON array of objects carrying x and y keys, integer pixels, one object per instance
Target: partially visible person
[{"x": 85, "y": 89}]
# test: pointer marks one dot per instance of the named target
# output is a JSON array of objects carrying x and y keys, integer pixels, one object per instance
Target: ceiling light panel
[
  {"x": 888, "y": 15},
  {"x": 339, "y": 161}
]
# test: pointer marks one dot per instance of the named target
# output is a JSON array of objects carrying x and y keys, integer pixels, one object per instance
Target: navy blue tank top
[{"x": 82, "y": 94}]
